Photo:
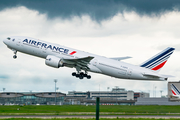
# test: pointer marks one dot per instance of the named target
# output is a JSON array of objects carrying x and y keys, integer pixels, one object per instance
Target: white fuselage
[{"x": 98, "y": 64}]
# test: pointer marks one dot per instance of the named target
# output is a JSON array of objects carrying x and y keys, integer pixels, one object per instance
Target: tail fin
[
  {"x": 158, "y": 61},
  {"x": 175, "y": 91}
]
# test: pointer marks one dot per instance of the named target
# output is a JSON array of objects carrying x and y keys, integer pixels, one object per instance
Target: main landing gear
[
  {"x": 81, "y": 75},
  {"x": 15, "y": 56}
]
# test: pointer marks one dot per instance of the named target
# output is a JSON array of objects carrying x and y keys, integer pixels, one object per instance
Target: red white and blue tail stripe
[
  {"x": 175, "y": 91},
  {"x": 158, "y": 61}
]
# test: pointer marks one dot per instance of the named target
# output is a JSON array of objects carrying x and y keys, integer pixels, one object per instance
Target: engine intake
[{"x": 54, "y": 61}]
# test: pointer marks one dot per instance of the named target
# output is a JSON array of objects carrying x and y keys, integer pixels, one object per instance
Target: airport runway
[{"x": 90, "y": 116}]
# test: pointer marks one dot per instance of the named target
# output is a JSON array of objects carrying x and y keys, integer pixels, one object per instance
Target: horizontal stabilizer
[
  {"x": 156, "y": 75},
  {"x": 121, "y": 58},
  {"x": 153, "y": 75}
]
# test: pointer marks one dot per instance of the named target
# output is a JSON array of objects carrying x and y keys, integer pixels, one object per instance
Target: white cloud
[{"x": 124, "y": 35}]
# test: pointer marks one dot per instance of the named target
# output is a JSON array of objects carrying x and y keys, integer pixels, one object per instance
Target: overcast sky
[{"x": 139, "y": 29}]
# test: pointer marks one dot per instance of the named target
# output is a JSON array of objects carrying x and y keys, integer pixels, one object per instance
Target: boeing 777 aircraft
[{"x": 60, "y": 56}]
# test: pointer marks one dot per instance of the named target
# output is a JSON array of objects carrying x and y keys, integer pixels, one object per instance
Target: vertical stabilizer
[
  {"x": 158, "y": 61},
  {"x": 175, "y": 91}
]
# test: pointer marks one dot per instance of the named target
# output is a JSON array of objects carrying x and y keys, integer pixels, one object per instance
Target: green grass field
[
  {"x": 80, "y": 109},
  {"x": 111, "y": 109},
  {"x": 89, "y": 119}
]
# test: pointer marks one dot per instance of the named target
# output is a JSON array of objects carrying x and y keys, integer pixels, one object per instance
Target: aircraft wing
[
  {"x": 120, "y": 58},
  {"x": 79, "y": 62}
]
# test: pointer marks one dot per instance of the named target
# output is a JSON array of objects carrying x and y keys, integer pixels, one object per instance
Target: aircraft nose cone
[{"x": 4, "y": 41}]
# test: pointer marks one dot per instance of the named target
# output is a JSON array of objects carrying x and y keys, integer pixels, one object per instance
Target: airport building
[
  {"x": 31, "y": 98},
  {"x": 118, "y": 96},
  {"x": 141, "y": 95},
  {"x": 121, "y": 94},
  {"x": 116, "y": 93}
]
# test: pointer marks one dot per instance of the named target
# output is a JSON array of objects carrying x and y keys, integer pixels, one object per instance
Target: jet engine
[{"x": 54, "y": 61}]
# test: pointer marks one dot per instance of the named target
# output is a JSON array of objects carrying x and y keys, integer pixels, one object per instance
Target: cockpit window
[{"x": 9, "y": 38}]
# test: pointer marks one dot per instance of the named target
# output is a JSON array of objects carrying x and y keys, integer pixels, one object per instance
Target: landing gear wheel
[
  {"x": 73, "y": 74},
  {"x": 15, "y": 52},
  {"x": 14, "y": 56},
  {"x": 88, "y": 77},
  {"x": 85, "y": 75},
  {"x": 81, "y": 77},
  {"x": 77, "y": 75},
  {"x": 82, "y": 74}
]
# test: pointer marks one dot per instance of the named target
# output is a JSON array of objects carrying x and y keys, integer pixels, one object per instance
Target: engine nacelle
[{"x": 54, "y": 61}]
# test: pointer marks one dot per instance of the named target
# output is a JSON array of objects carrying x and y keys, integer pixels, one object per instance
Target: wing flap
[{"x": 80, "y": 62}]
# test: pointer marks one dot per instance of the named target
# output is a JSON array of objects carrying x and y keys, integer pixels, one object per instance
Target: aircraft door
[
  {"x": 95, "y": 62},
  {"x": 44, "y": 50},
  {"x": 18, "y": 42},
  {"x": 129, "y": 72}
]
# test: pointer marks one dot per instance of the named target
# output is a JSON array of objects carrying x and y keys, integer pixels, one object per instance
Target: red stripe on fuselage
[
  {"x": 72, "y": 53},
  {"x": 173, "y": 92},
  {"x": 159, "y": 66}
]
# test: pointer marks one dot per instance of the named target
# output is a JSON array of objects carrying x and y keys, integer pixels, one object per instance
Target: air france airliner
[
  {"x": 175, "y": 91},
  {"x": 60, "y": 56}
]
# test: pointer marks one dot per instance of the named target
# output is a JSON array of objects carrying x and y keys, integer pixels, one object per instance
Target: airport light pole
[
  {"x": 55, "y": 89},
  {"x": 161, "y": 92},
  {"x": 155, "y": 91},
  {"x": 108, "y": 91},
  {"x": 99, "y": 90},
  {"x": 4, "y": 89}
]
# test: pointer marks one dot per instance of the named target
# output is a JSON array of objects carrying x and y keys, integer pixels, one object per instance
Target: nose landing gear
[
  {"x": 15, "y": 56},
  {"x": 81, "y": 75}
]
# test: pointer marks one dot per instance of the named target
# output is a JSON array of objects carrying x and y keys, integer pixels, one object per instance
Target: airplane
[
  {"x": 175, "y": 91},
  {"x": 60, "y": 56}
]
